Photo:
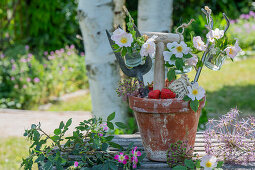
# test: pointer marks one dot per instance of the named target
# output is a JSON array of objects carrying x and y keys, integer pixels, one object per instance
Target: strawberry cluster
[{"x": 163, "y": 94}]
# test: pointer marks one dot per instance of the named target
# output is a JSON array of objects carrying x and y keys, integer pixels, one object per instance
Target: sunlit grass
[
  {"x": 12, "y": 150},
  {"x": 232, "y": 86},
  {"x": 81, "y": 103}
]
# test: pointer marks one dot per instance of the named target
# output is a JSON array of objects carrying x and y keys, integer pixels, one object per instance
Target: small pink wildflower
[
  {"x": 82, "y": 54},
  {"x": 70, "y": 69},
  {"x": 36, "y": 80},
  {"x": 2, "y": 55},
  {"x": 30, "y": 55},
  {"x": 45, "y": 53},
  {"x": 136, "y": 153},
  {"x": 68, "y": 53},
  {"x": 27, "y": 47},
  {"x": 28, "y": 79},
  {"x": 105, "y": 127},
  {"x": 24, "y": 86},
  {"x": 122, "y": 158},
  {"x": 52, "y": 53},
  {"x": 16, "y": 86},
  {"x": 62, "y": 50},
  {"x": 76, "y": 164},
  {"x": 72, "y": 46},
  {"x": 100, "y": 134},
  {"x": 12, "y": 78}
]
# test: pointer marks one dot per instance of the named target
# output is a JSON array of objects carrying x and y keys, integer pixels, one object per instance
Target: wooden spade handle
[{"x": 159, "y": 67}]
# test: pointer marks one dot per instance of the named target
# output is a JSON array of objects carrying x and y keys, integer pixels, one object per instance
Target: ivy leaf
[
  {"x": 187, "y": 55},
  {"x": 199, "y": 64},
  {"x": 110, "y": 125},
  {"x": 111, "y": 117},
  {"x": 186, "y": 98},
  {"x": 219, "y": 164},
  {"x": 179, "y": 167},
  {"x": 179, "y": 64},
  {"x": 189, "y": 163},
  {"x": 121, "y": 125},
  {"x": 118, "y": 50},
  {"x": 194, "y": 105},
  {"x": 55, "y": 138},
  {"x": 130, "y": 146},
  {"x": 57, "y": 131},
  {"x": 171, "y": 75}
]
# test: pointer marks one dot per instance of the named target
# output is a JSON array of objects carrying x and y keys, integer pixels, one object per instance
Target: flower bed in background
[
  {"x": 27, "y": 80},
  {"x": 243, "y": 28}
]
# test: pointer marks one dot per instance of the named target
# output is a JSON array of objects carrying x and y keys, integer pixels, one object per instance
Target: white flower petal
[
  {"x": 167, "y": 55},
  {"x": 179, "y": 55}
]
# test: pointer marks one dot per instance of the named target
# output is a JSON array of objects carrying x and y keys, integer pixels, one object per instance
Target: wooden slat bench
[{"x": 124, "y": 141}]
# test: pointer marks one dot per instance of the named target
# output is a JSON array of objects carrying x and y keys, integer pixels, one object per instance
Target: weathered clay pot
[{"x": 164, "y": 121}]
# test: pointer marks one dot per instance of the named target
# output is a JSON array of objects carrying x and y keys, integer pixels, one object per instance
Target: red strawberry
[
  {"x": 167, "y": 94},
  {"x": 155, "y": 94}
]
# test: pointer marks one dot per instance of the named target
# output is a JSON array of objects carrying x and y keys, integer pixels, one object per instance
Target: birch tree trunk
[
  {"x": 95, "y": 16},
  {"x": 154, "y": 16}
]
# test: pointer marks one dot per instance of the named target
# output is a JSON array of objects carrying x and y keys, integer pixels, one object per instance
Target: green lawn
[
  {"x": 82, "y": 103},
  {"x": 12, "y": 150},
  {"x": 232, "y": 86}
]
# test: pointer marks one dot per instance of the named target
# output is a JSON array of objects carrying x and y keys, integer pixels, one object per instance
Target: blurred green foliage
[
  {"x": 52, "y": 24},
  {"x": 44, "y": 25}
]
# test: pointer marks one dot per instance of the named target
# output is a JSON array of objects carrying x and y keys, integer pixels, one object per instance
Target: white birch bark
[
  {"x": 95, "y": 16},
  {"x": 154, "y": 16}
]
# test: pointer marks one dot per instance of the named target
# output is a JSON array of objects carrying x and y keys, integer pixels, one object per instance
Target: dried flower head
[
  {"x": 208, "y": 10},
  {"x": 128, "y": 87},
  {"x": 231, "y": 139}
]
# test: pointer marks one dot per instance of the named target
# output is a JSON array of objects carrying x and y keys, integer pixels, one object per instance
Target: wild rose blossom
[
  {"x": 208, "y": 162},
  {"x": 215, "y": 34},
  {"x": 178, "y": 49},
  {"x": 167, "y": 57},
  {"x": 76, "y": 164},
  {"x": 198, "y": 43},
  {"x": 196, "y": 92},
  {"x": 122, "y": 38},
  {"x": 122, "y": 158},
  {"x": 149, "y": 47},
  {"x": 232, "y": 51},
  {"x": 192, "y": 61}
]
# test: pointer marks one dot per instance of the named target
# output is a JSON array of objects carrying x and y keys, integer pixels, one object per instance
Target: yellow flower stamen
[
  {"x": 179, "y": 49},
  {"x": 148, "y": 47},
  {"x": 208, "y": 164},
  {"x": 231, "y": 51},
  {"x": 195, "y": 92},
  {"x": 123, "y": 40}
]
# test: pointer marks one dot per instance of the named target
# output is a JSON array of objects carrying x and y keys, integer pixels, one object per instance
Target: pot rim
[{"x": 146, "y": 105}]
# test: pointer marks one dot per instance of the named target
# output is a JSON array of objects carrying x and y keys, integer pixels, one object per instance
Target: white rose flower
[
  {"x": 117, "y": 33},
  {"x": 217, "y": 33},
  {"x": 192, "y": 61},
  {"x": 209, "y": 36},
  {"x": 124, "y": 39},
  {"x": 149, "y": 47},
  {"x": 232, "y": 51},
  {"x": 167, "y": 57},
  {"x": 179, "y": 49},
  {"x": 208, "y": 162},
  {"x": 196, "y": 92},
  {"x": 198, "y": 43},
  {"x": 170, "y": 46}
]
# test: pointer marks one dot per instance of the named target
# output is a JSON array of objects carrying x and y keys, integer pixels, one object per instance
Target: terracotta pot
[{"x": 164, "y": 121}]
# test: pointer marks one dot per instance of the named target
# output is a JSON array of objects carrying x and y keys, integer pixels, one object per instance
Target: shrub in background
[{"x": 26, "y": 80}]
